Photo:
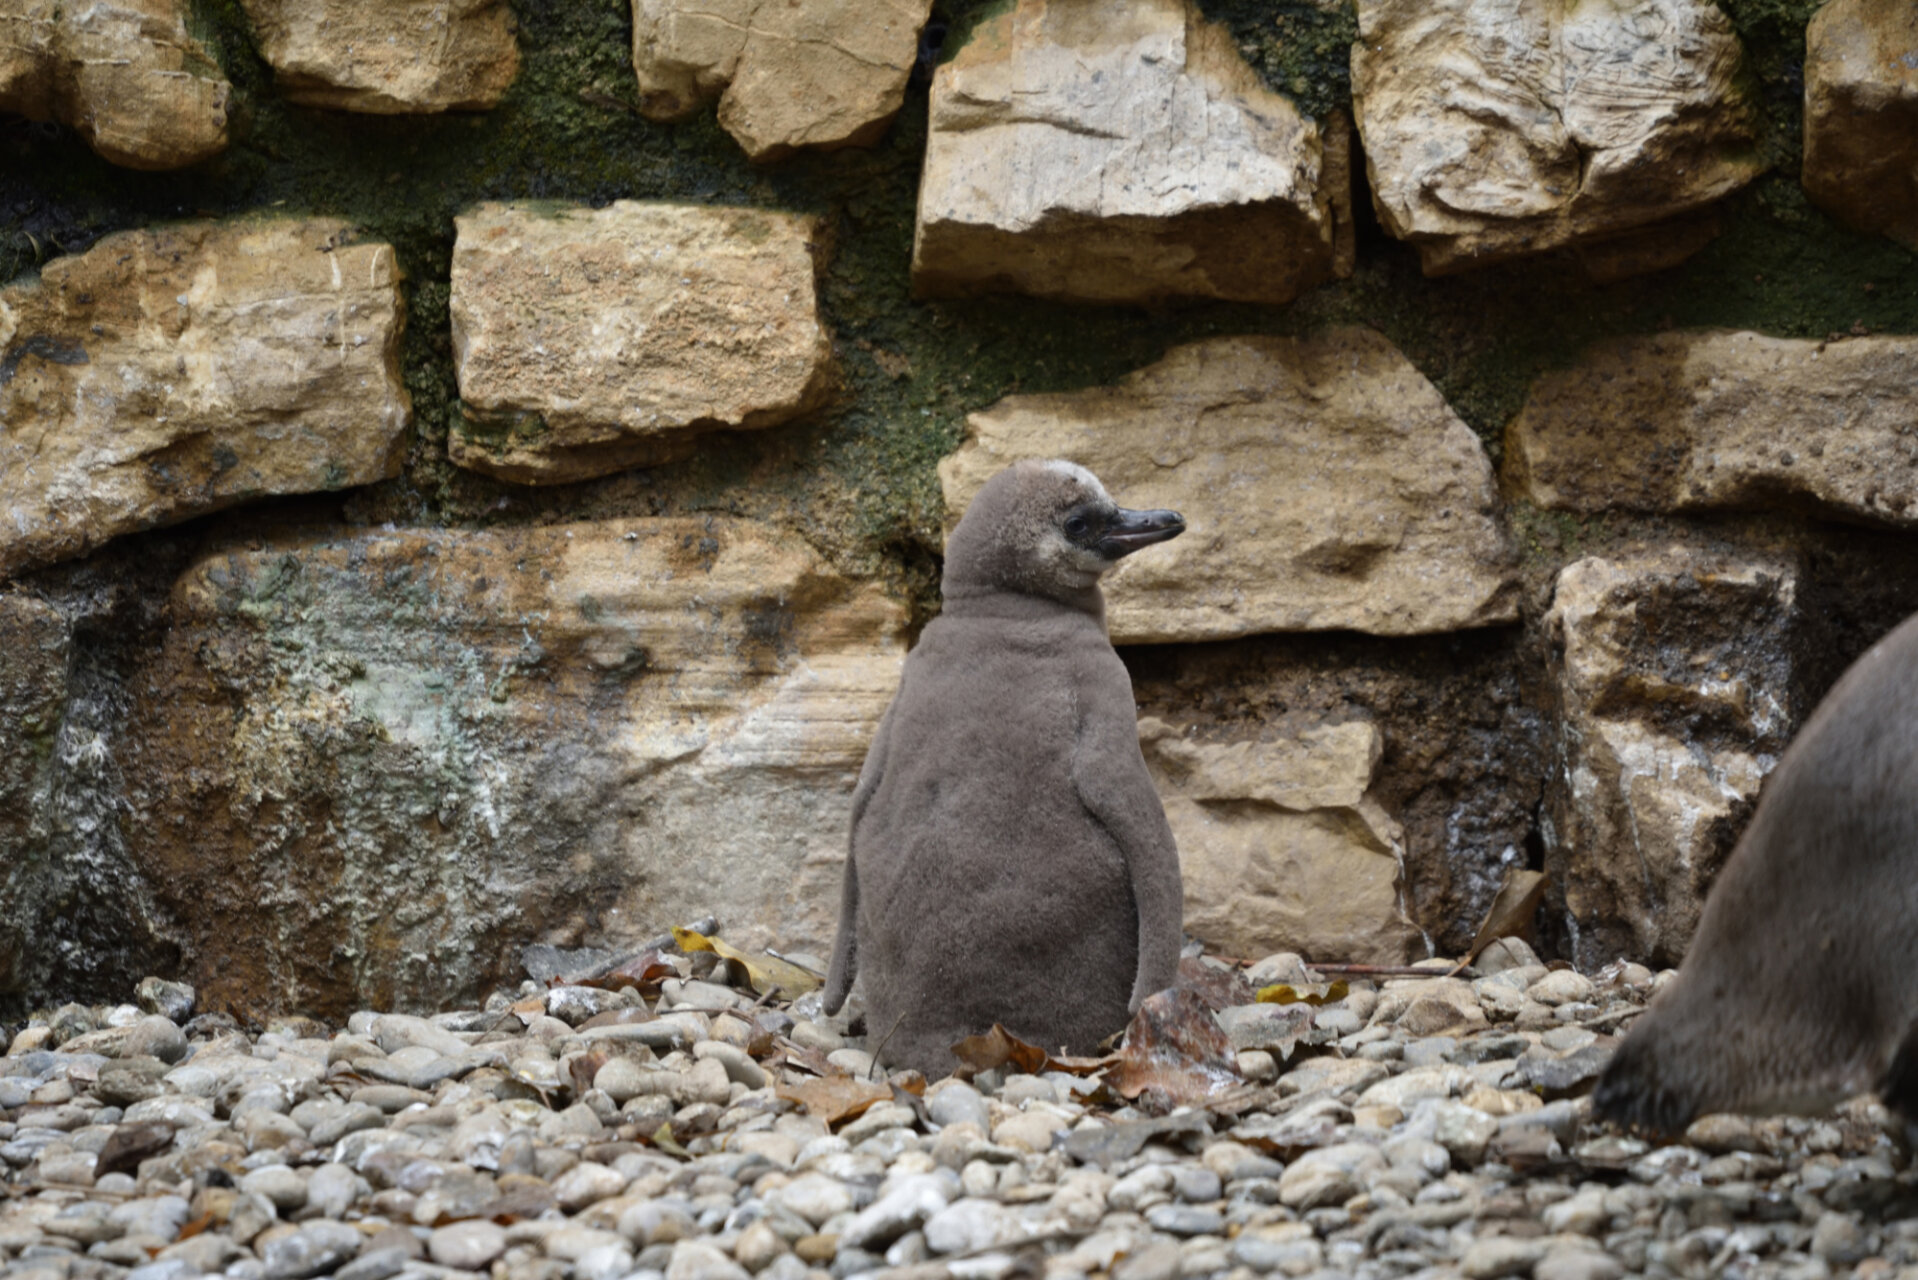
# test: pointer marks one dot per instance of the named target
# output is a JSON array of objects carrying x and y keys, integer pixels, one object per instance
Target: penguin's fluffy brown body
[
  {"x": 1009, "y": 858},
  {"x": 1801, "y": 986}
]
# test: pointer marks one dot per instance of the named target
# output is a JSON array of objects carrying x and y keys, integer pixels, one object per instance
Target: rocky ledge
[{"x": 1430, "y": 1124}]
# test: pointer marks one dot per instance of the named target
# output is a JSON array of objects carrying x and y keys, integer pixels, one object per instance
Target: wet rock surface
[
  {"x": 35, "y": 651},
  {"x": 1370, "y": 1150},
  {"x": 164, "y": 374},
  {"x": 389, "y": 57},
  {"x": 1464, "y": 750},
  {"x": 1338, "y": 489},
  {"x": 589, "y": 725},
  {"x": 1712, "y": 420},
  {"x": 585, "y": 722},
  {"x": 1493, "y": 131},
  {"x": 1074, "y": 156},
  {"x": 787, "y": 76},
  {"x": 1676, "y": 704},
  {"x": 128, "y": 77},
  {"x": 592, "y": 340}
]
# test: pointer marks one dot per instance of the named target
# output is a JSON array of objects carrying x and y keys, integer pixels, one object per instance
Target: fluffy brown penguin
[
  {"x": 1009, "y": 859},
  {"x": 1801, "y": 986}
]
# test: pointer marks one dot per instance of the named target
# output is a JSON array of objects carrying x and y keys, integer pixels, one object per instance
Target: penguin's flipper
[
  {"x": 845, "y": 948},
  {"x": 1109, "y": 771}
]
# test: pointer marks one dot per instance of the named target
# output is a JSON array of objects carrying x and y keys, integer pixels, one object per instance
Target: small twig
[
  {"x": 1606, "y": 1019},
  {"x": 795, "y": 964},
  {"x": 870, "y": 1073},
  {"x": 1377, "y": 970}
]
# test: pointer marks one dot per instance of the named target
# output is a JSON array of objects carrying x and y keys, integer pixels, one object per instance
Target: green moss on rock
[{"x": 859, "y": 478}]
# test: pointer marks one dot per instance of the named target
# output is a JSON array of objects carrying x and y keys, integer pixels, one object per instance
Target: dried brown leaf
[
  {"x": 1000, "y": 1048},
  {"x": 809, "y": 1059},
  {"x": 836, "y": 1098},
  {"x": 582, "y": 1070},
  {"x": 644, "y": 972},
  {"x": 1220, "y": 988},
  {"x": 1512, "y": 911},
  {"x": 1175, "y": 1055}
]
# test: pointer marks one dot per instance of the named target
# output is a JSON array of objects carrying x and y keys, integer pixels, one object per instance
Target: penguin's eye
[{"x": 1076, "y": 527}]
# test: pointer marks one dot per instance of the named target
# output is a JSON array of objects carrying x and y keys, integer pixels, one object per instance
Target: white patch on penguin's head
[
  {"x": 1073, "y": 471},
  {"x": 1048, "y": 528}
]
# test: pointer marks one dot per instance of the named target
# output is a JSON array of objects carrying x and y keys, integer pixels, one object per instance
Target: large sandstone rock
[
  {"x": 375, "y": 765},
  {"x": 125, "y": 75},
  {"x": 167, "y": 373},
  {"x": 1719, "y": 419},
  {"x": 1326, "y": 484},
  {"x": 1280, "y": 847},
  {"x": 1498, "y": 128},
  {"x": 1675, "y": 704},
  {"x": 388, "y": 57},
  {"x": 1124, "y": 154},
  {"x": 593, "y": 340},
  {"x": 1861, "y": 115},
  {"x": 826, "y": 73}
]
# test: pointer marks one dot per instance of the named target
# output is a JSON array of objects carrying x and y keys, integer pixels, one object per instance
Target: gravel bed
[{"x": 1418, "y": 1126}]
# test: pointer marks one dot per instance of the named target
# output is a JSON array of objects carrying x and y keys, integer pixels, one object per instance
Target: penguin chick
[
  {"x": 1009, "y": 859},
  {"x": 1801, "y": 986}
]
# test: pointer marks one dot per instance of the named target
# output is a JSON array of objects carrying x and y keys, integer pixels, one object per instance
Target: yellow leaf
[
  {"x": 1314, "y": 993},
  {"x": 766, "y": 973}
]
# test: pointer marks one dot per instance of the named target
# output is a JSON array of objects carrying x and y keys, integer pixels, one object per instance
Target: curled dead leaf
[
  {"x": 766, "y": 973},
  {"x": 663, "y": 1139},
  {"x": 1175, "y": 1055},
  {"x": 807, "y": 1058},
  {"x": 583, "y": 1069},
  {"x": 836, "y": 1098},
  {"x": 1000, "y": 1048},
  {"x": 1512, "y": 911},
  {"x": 644, "y": 972},
  {"x": 1219, "y": 986}
]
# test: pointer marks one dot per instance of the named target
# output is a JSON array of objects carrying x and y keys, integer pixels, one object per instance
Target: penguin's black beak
[{"x": 1131, "y": 530}]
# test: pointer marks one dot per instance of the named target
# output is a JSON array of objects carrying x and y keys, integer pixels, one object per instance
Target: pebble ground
[{"x": 1424, "y": 1126}]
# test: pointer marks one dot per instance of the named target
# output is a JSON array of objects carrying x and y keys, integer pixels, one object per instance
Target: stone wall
[{"x": 469, "y": 473}]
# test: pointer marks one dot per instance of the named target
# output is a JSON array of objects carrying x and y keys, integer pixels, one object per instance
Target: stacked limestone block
[{"x": 534, "y": 563}]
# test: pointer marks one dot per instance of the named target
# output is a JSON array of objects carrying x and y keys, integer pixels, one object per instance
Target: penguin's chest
[{"x": 987, "y": 793}]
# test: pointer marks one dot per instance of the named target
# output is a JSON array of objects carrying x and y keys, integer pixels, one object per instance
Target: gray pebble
[
  {"x": 315, "y": 1249},
  {"x": 956, "y": 1102},
  {"x": 1196, "y": 1184},
  {"x": 375, "y": 1264},
  {"x": 1160, "y": 1260},
  {"x": 164, "y": 1269},
  {"x": 280, "y": 1185},
  {"x": 171, "y": 1000},
  {"x": 467, "y": 1246},
  {"x": 1185, "y": 1220},
  {"x": 696, "y": 1260}
]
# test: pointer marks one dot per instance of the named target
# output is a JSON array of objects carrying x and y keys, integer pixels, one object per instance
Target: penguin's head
[{"x": 1047, "y": 528}]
